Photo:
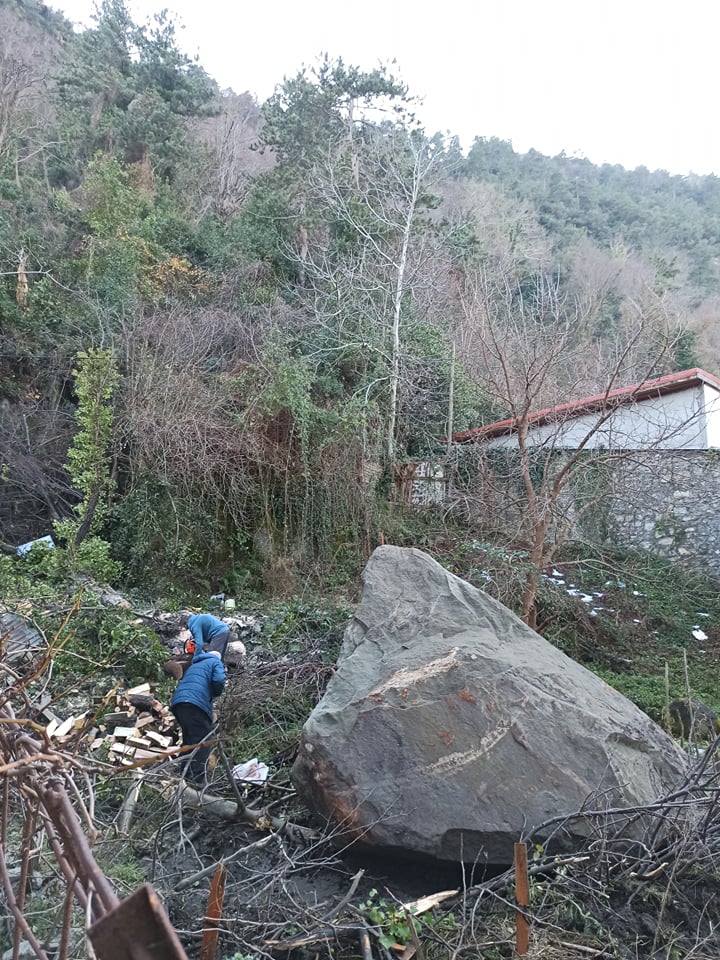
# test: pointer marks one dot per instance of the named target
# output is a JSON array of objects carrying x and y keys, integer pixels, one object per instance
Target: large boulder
[{"x": 450, "y": 726}]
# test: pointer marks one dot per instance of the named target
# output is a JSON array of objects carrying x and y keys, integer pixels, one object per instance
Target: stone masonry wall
[
  {"x": 668, "y": 503},
  {"x": 665, "y": 502}
]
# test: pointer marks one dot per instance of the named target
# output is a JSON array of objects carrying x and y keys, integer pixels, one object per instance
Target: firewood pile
[{"x": 139, "y": 727}]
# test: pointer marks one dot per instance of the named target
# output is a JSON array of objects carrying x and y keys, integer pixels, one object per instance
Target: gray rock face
[{"x": 450, "y": 726}]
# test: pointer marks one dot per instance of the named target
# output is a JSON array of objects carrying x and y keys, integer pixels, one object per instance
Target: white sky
[{"x": 617, "y": 81}]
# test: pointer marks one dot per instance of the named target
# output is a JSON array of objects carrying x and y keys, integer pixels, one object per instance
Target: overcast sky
[{"x": 633, "y": 82}]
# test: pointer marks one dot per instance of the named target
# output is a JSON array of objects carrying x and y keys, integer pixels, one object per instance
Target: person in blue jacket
[
  {"x": 192, "y": 704},
  {"x": 209, "y": 633}
]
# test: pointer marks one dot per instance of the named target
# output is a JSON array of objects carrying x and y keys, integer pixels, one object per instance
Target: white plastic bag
[{"x": 251, "y": 772}]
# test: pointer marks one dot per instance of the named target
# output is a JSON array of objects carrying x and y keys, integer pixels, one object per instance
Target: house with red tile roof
[
  {"x": 679, "y": 411},
  {"x": 641, "y": 463}
]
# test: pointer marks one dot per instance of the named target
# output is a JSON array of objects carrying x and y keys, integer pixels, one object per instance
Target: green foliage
[
  {"x": 46, "y": 571},
  {"x": 291, "y": 625},
  {"x": 311, "y": 494},
  {"x": 34, "y": 576},
  {"x": 685, "y": 350},
  {"x": 132, "y": 647},
  {"x": 89, "y": 454},
  {"x": 648, "y": 211},
  {"x": 91, "y": 557},
  {"x": 265, "y": 715},
  {"x": 392, "y": 921},
  {"x": 646, "y": 691},
  {"x": 89, "y": 464},
  {"x": 644, "y": 615},
  {"x": 107, "y": 639},
  {"x": 119, "y": 863},
  {"x": 171, "y": 544},
  {"x": 127, "y": 90},
  {"x": 90, "y": 638},
  {"x": 320, "y": 105}
]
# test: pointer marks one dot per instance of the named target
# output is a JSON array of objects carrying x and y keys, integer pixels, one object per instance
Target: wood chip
[
  {"x": 427, "y": 903},
  {"x": 64, "y": 729}
]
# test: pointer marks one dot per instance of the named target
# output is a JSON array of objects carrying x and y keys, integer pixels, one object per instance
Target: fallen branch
[
  {"x": 590, "y": 951},
  {"x": 365, "y": 948},
  {"x": 335, "y": 931},
  {"x": 337, "y": 910},
  {"x": 130, "y": 802},
  {"x": 201, "y": 874},
  {"x": 231, "y": 810},
  {"x": 330, "y": 931}
]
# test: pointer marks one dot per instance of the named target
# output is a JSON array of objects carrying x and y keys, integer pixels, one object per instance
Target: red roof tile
[{"x": 670, "y": 383}]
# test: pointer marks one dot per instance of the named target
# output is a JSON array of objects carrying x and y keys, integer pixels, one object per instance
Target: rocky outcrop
[{"x": 450, "y": 726}]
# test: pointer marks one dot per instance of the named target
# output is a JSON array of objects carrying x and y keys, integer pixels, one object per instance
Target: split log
[
  {"x": 119, "y": 717},
  {"x": 122, "y": 733},
  {"x": 213, "y": 914},
  {"x": 144, "y": 719},
  {"x": 159, "y": 739},
  {"x": 143, "y": 701}
]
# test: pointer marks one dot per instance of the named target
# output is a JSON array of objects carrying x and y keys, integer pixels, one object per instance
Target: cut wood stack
[{"x": 139, "y": 728}]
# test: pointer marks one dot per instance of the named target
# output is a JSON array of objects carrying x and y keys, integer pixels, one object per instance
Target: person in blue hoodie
[
  {"x": 192, "y": 704},
  {"x": 209, "y": 633}
]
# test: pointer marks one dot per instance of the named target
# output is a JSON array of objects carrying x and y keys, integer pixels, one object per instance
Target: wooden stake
[
  {"x": 213, "y": 915},
  {"x": 522, "y": 897}
]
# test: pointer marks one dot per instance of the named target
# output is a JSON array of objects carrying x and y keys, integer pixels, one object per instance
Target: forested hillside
[{"x": 225, "y": 326}]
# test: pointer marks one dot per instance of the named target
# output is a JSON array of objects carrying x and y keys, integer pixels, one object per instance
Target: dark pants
[
  {"x": 219, "y": 643},
  {"x": 195, "y": 725}
]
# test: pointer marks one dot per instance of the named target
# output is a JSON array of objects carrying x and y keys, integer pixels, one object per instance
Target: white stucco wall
[
  {"x": 686, "y": 420},
  {"x": 712, "y": 407}
]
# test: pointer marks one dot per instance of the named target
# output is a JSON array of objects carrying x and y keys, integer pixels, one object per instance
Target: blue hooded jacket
[
  {"x": 205, "y": 627},
  {"x": 204, "y": 680}
]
